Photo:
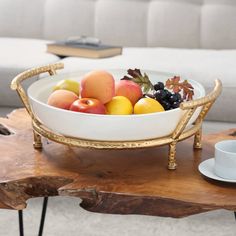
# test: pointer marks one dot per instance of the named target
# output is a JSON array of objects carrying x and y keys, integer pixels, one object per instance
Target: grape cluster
[{"x": 167, "y": 99}]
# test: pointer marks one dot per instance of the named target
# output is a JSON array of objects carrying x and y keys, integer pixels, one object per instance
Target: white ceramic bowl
[{"x": 105, "y": 127}]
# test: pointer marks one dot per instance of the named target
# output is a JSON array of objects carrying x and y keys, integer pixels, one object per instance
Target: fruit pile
[{"x": 133, "y": 94}]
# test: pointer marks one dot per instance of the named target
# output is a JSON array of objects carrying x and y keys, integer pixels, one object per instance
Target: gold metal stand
[{"x": 180, "y": 132}]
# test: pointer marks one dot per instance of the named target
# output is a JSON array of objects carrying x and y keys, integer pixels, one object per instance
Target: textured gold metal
[
  {"x": 183, "y": 123},
  {"x": 171, "y": 157},
  {"x": 210, "y": 98},
  {"x": 204, "y": 111},
  {"x": 16, "y": 82},
  {"x": 198, "y": 139},
  {"x": 16, "y": 85},
  {"x": 180, "y": 132},
  {"x": 85, "y": 143},
  {"x": 37, "y": 140}
]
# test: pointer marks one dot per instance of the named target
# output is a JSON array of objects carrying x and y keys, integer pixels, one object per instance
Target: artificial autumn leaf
[
  {"x": 176, "y": 86},
  {"x": 137, "y": 77},
  {"x": 187, "y": 90}
]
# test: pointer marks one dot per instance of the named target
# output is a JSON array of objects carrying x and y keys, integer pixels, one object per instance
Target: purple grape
[
  {"x": 175, "y": 105},
  {"x": 159, "y": 86},
  {"x": 166, "y": 105}
]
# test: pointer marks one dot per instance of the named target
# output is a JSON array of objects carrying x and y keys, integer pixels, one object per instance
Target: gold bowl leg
[
  {"x": 171, "y": 156},
  {"x": 37, "y": 141},
  {"x": 198, "y": 139}
]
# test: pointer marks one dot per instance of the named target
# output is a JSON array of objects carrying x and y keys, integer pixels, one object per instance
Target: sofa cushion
[
  {"x": 22, "y": 18},
  {"x": 159, "y": 23},
  {"x": 202, "y": 65},
  {"x": 16, "y": 56}
]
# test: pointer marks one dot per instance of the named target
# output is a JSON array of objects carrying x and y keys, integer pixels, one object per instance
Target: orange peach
[
  {"x": 62, "y": 99},
  {"x": 128, "y": 89},
  {"x": 99, "y": 85}
]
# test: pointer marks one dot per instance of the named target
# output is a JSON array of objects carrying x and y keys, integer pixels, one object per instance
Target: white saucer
[{"x": 207, "y": 169}]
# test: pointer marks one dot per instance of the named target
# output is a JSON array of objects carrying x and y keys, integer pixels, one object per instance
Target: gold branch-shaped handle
[
  {"x": 191, "y": 106},
  {"x": 16, "y": 82}
]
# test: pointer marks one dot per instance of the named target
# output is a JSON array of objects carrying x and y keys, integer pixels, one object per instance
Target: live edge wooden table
[{"x": 118, "y": 182}]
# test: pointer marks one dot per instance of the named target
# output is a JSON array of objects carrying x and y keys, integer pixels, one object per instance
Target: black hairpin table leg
[
  {"x": 21, "y": 224},
  {"x": 235, "y": 215},
  {"x": 45, "y": 203}
]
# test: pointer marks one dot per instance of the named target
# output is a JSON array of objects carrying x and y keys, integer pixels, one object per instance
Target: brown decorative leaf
[
  {"x": 126, "y": 78},
  {"x": 176, "y": 86},
  {"x": 187, "y": 90},
  {"x": 142, "y": 80}
]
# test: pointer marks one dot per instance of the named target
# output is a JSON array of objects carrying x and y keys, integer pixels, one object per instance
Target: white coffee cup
[{"x": 225, "y": 159}]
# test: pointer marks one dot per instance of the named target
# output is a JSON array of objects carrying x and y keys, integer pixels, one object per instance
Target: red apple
[{"x": 88, "y": 105}]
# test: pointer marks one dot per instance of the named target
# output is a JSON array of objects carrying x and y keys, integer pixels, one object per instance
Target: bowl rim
[{"x": 202, "y": 91}]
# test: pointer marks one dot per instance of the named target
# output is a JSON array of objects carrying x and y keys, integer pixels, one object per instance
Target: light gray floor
[{"x": 66, "y": 218}]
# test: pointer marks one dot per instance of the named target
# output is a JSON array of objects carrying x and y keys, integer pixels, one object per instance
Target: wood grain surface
[{"x": 120, "y": 181}]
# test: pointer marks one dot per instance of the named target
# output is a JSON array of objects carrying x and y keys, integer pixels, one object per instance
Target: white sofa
[{"x": 193, "y": 38}]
